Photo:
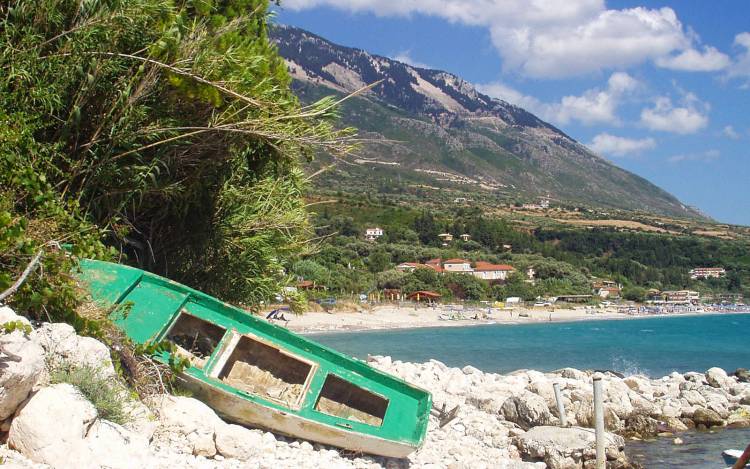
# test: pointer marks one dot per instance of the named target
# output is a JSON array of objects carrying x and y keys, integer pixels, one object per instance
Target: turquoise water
[{"x": 652, "y": 346}]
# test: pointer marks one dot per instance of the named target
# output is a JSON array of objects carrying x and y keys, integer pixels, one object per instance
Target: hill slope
[{"x": 432, "y": 129}]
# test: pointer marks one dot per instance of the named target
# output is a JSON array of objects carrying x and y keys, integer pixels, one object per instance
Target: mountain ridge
[{"x": 448, "y": 134}]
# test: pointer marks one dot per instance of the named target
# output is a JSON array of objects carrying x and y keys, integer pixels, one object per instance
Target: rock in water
[{"x": 707, "y": 417}]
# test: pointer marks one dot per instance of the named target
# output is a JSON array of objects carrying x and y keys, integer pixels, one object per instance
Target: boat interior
[{"x": 257, "y": 367}]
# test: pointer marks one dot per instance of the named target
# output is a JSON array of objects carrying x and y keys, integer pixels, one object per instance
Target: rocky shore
[{"x": 504, "y": 421}]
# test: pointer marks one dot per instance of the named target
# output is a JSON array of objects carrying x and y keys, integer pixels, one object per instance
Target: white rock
[
  {"x": 717, "y": 378},
  {"x": 51, "y": 427},
  {"x": 8, "y": 315},
  {"x": 61, "y": 342},
  {"x": 236, "y": 442},
  {"x": 185, "y": 415},
  {"x": 112, "y": 446},
  {"x": 17, "y": 378}
]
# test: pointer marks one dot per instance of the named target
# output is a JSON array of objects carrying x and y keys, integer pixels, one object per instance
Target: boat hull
[{"x": 252, "y": 414}]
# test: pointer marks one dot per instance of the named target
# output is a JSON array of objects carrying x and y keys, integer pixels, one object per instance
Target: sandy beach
[{"x": 406, "y": 317}]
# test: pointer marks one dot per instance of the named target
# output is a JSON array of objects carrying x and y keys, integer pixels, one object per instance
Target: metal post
[
  {"x": 601, "y": 459},
  {"x": 560, "y": 405}
]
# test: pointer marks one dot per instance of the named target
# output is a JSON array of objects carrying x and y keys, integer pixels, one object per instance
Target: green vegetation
[
  {"x": 152, "y": 132},
  {"x": 107, "y": 399},
  {"x": 565, "y": 259}
]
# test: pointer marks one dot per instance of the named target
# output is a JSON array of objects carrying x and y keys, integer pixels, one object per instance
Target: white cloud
[
  {"x": 741, "y": 65},
  {"x": 729, "y": 132},
  {"x": 594, "y": 106},
  {"x": 558, "y": 38},
  {"x": 692, "y": 60},
  {"x": 690, "y": 117},
  {"x": 612, "y": 145},
  {"x": 705, "y": 157},
  {"x": 405, "y": 57}
]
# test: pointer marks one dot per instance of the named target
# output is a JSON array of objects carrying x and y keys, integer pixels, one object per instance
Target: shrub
[{"x": 105, "y": 397}]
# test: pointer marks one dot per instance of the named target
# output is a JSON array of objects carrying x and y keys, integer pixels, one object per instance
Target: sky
[{"x": 661, "y": 88}]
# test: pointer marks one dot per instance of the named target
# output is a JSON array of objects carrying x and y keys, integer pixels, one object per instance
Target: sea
[{"x": 652, "y": 346}]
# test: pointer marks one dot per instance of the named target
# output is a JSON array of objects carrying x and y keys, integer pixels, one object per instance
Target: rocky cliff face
[{"x": 436, "y": 128}]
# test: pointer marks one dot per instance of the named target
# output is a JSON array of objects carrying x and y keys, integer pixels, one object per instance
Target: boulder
[
  {"x": 717, "y": 378},
  {"x": 191, "y": 418},
  {"x": 565, "y": 447},
  {"x": 641, "y": 426},
  {"x": 19, "y": 372},
  {"x": 572, "y": 373},
  {"x": 8, "y": 315},
  {"x": 707, "y": 417},
  {"x": 185, "y": 415},
  {"x": 112, "y": 446},
  {"x": 527, "y": 410},
  {"x": 234, "y": 441},
  {"x": 742, "y": 374},
  {"x": 51, "y": 427},
  {"x": 60, "y": 341},
  {"x": 740, "y": 418}
]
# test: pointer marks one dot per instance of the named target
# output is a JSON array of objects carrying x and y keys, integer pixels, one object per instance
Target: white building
[
  {"x": 488, "y": 271},
  {"x": 707, "y": 272},
  {"x": 457, "y": 265},
  {"x": 371, "y": 234}
]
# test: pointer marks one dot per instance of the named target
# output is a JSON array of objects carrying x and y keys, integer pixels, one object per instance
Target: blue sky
[{"x": 660, "y": 88}]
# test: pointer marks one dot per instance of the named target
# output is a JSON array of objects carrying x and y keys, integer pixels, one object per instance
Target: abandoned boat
[{"x": 258, "y": 374}]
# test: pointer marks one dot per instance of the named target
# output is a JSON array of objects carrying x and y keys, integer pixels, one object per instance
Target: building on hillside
[
  {"x": 445, "y": 238},
  {"x": 457, "y": 265},
  {"x": 460, "y": 200},
  {"x": 410, "y": 266},
  {"x": 609, "y": 292},
  {"x": 465, "y": 237},
  {"x": 507, "y": 247},
  {"x": 542, "y": 205},
  {"x": 597, "y": 284},
  {"x": 707, "y": 272},
  {"x": 489, "y": 271},
  {"x": 435, "y": 264},
  {"x": 530, "y": 273},
  {"x": 679, "y": 297},
  {"x": 371, "y": 234}
]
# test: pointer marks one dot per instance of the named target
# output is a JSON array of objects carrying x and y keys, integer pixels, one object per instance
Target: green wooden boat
[{"x": 258, "y": 374}]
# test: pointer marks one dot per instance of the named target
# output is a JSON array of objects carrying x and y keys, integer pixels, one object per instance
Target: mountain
[{"x": 429, "y": 130}]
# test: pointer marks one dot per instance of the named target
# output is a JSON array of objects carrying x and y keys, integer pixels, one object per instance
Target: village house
[
  {"x": 609, "y": 292},
  {"x": 607, "y": 289},
  {"x": 465, "y": 237},
  {"x": 411, "y": 266},
  {"x": 457, "y": 266},
  {"x": 489, "y": 271},
  {"x": 542, "y": 205},
  {"x": 445, "y": 238},
  {"x": 435, "y": 264},
  {"x": 707, "y": 272},
  {"x": 371, "y": 234},
  {"x": 679, "y": 297}
]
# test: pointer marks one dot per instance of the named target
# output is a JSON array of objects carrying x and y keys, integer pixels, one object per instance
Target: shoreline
[{"x": 404, "y": 318}]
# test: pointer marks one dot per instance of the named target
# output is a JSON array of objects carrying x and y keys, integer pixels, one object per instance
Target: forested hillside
[{"x": 566, "y": 259}]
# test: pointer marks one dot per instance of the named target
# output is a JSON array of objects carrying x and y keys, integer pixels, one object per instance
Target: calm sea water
[{"x": 651, "y": 346}]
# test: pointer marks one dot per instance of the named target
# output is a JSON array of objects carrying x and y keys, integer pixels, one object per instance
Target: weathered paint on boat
[{"x": 147, "y": 307}]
